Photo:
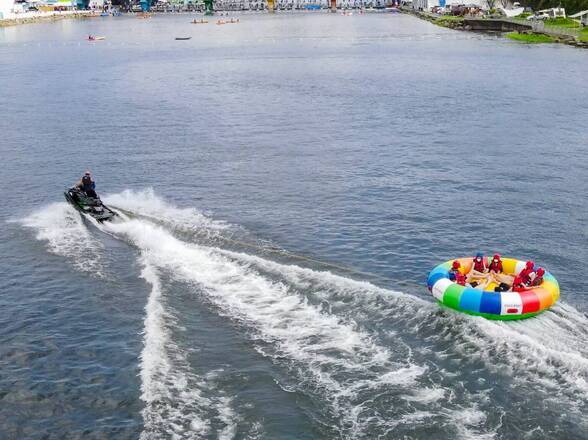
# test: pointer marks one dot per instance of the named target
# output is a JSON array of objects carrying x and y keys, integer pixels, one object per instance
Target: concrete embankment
[{"x": 36, "y": 17}]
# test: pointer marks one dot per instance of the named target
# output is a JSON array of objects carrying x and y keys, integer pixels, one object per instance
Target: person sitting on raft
[
  {"x": 525, "y": 274},
  {"x": 87, "y": 185},
  {"x": 479, "y": 264},
  {"x": 525, "y": 277},
  {"x": 479, "y": 272},
  {"x": 495, "y": 266},
  {"x": 457, "y": 278},
  {"x": 518, "y": 285},
  {"x": 497, "y": 274},
  {"x": 455, "y": 274},
  {"x": 537, "y": 278}
]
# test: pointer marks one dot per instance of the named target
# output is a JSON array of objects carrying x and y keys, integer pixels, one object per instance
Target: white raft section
[
  {"x": 509, "y": 300},
  {"x": 439, "y": 288}
]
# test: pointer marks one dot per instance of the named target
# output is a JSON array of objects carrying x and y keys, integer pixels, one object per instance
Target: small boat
[
  {"x": 90, "y": 206},
  {"x": 183, "y": 38},
  {"x": 199, "y": 21},
  {"x": 93, "y": 38}
]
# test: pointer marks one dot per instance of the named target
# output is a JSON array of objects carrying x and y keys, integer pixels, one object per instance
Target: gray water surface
[{"x": 291, "y": 179}]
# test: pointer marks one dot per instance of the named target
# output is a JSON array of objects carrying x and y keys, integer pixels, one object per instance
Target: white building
[
  {"x": 583, "y": 16},
  {"x": 6, "y": 8},
  {"x": 553, "y": 12},
  {"x": 427, "y": 5}
]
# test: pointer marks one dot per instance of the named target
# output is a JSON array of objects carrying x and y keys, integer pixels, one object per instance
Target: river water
[{"x": 288, "y": 182}]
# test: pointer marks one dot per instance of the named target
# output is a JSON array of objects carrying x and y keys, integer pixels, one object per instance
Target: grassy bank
[
  {"x": 570, "y": 32},
  {"x": 448, "y": 19},
  {"x": 530, "y": 38},
  {"x": 562, "y": 22}
]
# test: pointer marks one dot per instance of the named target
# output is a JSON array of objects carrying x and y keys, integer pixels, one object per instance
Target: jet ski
[{"x": 89, "y": 205}]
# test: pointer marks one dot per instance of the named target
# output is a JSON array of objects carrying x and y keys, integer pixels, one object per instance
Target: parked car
[{"x": 538, "y": 17}]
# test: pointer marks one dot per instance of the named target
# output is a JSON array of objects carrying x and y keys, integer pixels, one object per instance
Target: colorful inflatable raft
[{"x": 490, "y": 304}]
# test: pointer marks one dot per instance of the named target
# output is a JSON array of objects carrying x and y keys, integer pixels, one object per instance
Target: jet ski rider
[{"x": 87, "y": 185}]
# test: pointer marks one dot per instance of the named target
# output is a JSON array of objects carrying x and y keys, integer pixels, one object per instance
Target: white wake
[{"x": 61, "y": 227}]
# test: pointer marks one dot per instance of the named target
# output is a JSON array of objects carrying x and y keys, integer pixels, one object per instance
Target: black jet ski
[{"x": 89, "y": 205}]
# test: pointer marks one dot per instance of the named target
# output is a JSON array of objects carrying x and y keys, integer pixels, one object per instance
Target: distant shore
[
  {"x": 38, "y": 16},
  {"x": 516, "y": 30}
]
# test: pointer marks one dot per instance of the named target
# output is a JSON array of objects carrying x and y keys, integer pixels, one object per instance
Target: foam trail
[
  {"x": 175, "y": 401},
  {"x": 147, "y": 204},
  {"x": 333, "y": 357},
  {"x": 542, "y": 347},
  {"x": 64, "y": 231},
  {"x": 163, "y": 387}
]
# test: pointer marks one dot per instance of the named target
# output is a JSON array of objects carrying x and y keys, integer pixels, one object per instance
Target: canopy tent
[{"x": 583, "y": 16}]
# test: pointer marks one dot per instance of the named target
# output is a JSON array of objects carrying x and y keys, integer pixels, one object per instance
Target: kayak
[
  {"x": 183, "y": 38},
  {"x": 89, "y": 205},
  {"x": 487, "y": 302}
]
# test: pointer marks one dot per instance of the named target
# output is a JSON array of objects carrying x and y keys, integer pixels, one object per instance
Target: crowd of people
[{"x": 485, "y": 273}]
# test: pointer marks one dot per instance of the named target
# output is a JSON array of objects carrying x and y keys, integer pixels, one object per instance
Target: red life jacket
[
  {"x": 525, "y": 275},
  {"x": 460, "y": 278},
  {"x": 480, "y": 266},
  {"x": 518, "y": 285},
  {"x": 496, "y": 267}
]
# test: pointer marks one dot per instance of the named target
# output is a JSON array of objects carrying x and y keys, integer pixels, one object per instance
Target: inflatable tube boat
[{"x": 488, "y": 303}]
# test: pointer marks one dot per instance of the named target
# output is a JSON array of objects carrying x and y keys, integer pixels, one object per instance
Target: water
[{"x": 291, "y": 179}]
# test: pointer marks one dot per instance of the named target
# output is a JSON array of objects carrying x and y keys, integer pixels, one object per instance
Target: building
[
  {"x": 553, "y": 12},
  {"x": 6, "y": 8},
  {"x": 582, "y": 16},
  {"x": 427, "y": 5}
]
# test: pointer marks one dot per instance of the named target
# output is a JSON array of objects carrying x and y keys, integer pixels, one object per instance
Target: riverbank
[
  {"x": 38, "y": 16},
  {"x": 517, "y": 30}
]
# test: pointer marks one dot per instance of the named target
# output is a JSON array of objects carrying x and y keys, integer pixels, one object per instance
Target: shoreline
[
  {"x": 41, "y": 17},
  {"x": 518, "y": 31},
  {"x": 502, "y": 26}
]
